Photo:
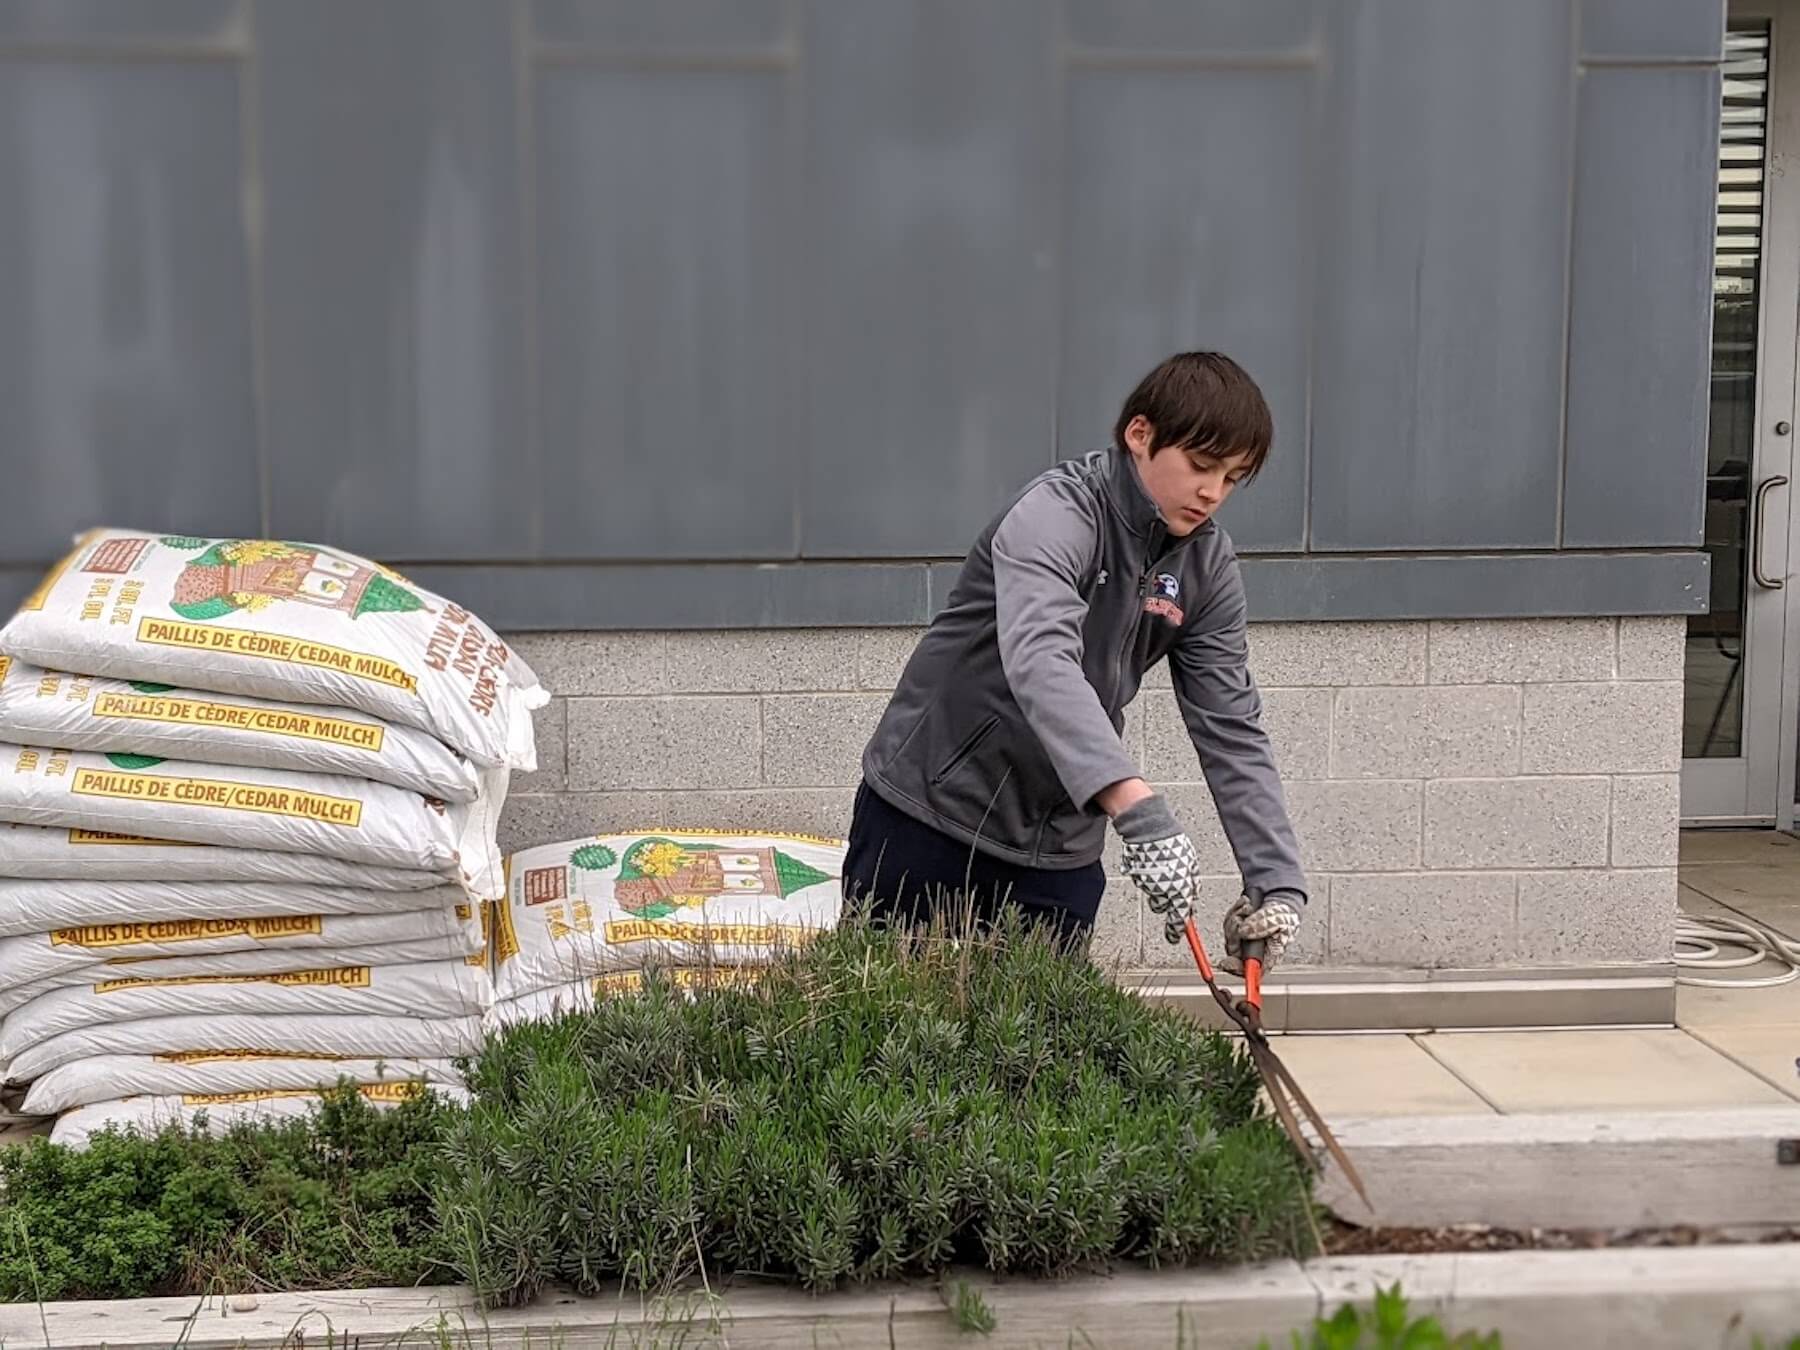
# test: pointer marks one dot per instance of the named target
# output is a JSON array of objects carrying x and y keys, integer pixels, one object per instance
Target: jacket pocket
[{"x": 963, "y": 751}]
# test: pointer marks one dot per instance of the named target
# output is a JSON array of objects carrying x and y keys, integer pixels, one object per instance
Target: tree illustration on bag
[
  {"x": 659, "y": 876},
  {"x": 249, "y": 575}
]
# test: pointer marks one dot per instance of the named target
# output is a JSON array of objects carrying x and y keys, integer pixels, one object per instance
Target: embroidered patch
[{"x": 1165, "y": 589}]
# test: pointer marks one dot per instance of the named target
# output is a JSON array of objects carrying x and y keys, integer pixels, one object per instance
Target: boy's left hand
[{"x": 1274, "y": 922}]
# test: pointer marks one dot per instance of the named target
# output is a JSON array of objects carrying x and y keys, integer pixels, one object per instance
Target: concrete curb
[
  {"x": 1643, "y": 1298},
  {"x": 1576, "y": 1170}
]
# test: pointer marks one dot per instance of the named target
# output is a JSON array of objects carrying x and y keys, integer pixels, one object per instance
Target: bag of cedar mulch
[
  {"x": 438, "y": 989},
  {"x": 546, "y": 1005},
  {"x": 292, "y": 622},
  {"x": 208, "y": 1072},
  {"x": 69, "y": 955},
  {"x": 222, "y": 1111},
  {"x": 47, "y": 853},
  {"x": 45, "y": 906},
  {"x": 285, "y": 1033},
  {"x": 85, "y": 712},
  {"x": 673, "y": 898},
  {"x": 279, "y": 809}
]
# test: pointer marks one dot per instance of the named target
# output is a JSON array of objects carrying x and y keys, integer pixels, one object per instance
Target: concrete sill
[
  {"x": 1369, "y": 999},
  {"x": 1645, "y": 1297}
]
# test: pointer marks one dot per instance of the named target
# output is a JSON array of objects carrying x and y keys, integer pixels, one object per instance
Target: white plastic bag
[
  {"x": 278, "y": 620},
  {"x": 45, "y": 906},
  {"x": 416, "y": 951},
  {"x": 43, "y": 852},
  {"x": 109, "y": 1077},
  {"x": 674, "y": 898},
  {"x": 145, "y": 1115},
  {"x": 312, "y": 813},
  {"x": 281, "y": 1033},
  {"x": 437, "y": 989},
  {"x": 85, "y": 712},
  {"x": 143, "y": 946}
]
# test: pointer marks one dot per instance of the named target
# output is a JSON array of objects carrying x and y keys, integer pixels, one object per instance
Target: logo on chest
[{"x": 1165, "y": 591}]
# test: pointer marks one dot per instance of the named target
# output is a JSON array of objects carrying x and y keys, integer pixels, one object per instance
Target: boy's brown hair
[{"x": 1202, "y": 401}]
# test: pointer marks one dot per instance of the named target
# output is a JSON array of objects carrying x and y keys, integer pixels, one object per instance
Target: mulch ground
[{"x": 1343, "y": 1239}]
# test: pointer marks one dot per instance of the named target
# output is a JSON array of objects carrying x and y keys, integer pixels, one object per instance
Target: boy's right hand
[{"x": 1162, "y": 861}]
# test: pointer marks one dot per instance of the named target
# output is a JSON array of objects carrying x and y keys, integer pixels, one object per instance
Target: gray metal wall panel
[
  {"x": 650, "y": 25},
  {"x": 1641, "y": 313},
  {"x": 125, "y": 373},
  {"x": 84, "y": 20},
  {"x": 667, "y": 428},
  {"x": 1184, "y": 232},
  {"x": 1188, "y": 26},
  {"x": 907, "y": 251},
  {"x": 1437, "y": 412},
  {"x": 392, "y": 278},
  {"x": 1639, "y": 30},
  {"x": 930, "y": 231}
]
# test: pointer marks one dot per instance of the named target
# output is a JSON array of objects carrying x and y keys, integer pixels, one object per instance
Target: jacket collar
[{"x": 1135, "y": 505}]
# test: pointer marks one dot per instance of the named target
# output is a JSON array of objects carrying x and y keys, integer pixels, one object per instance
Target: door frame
[{"x": 1757, "y": 787}]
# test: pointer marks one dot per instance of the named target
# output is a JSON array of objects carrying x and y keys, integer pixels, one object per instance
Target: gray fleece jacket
[{"x": 1007, "y": 719}]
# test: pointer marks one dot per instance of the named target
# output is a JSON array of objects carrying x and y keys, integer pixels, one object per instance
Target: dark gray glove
[{"x": 1163, "y": 862}]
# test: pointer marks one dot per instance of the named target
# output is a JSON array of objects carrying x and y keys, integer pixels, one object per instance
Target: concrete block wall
[{"x": 1467, "y": 794}]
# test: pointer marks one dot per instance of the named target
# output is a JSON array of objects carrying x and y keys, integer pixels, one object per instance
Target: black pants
[{"x": 907, "y": 872}]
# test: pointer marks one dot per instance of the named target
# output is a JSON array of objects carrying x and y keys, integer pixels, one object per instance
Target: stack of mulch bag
[{"x": 254, "y": 789}]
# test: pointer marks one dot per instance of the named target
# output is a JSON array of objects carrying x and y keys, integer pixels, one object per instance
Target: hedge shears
[{"x": 1246, "y": 1014}]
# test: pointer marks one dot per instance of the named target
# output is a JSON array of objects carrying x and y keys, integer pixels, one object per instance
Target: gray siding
[{"x": 595, "y": 309}]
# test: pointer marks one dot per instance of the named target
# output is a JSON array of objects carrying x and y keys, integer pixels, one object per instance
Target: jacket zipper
[
  {"x": 1137, "y": 610},
  {"x": 964, "y": 750}
]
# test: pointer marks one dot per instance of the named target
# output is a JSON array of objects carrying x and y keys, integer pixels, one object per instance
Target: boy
[{"x": 997, "y": 765}]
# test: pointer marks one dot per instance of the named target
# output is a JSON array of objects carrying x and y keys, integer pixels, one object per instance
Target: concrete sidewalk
[{"x": 1730, "y": 1047}]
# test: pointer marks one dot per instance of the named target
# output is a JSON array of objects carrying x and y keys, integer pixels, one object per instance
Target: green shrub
[
  {"x": 338, "y": 1201},
  {"x": 876, "y": 1105}
]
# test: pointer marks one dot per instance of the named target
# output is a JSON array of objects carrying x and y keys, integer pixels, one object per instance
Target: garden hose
[{"x": 1700, "y": 945}]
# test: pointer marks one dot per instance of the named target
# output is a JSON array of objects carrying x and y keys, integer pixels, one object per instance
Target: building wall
[
  {"x": 1467, "y": 794},
  {"x": 604, "y": 314}
]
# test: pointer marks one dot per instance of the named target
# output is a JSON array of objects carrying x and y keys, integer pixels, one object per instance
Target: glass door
[{"x": 1738, "y": 755}]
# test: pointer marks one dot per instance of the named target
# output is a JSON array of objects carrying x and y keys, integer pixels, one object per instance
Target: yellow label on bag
[
  {"x": 275, "y": 647},
  {"x": 506, "y": 937},
  {"x": 235, "y": 717},
  {"x": 626, "y": 931},
  {"x": 79, "y": 838},
  {"x": 722, "y": 977},
  {"x": 101, "y": 935},
  {"x": 346, "y": 977},
  {"x": 403, "y": 1090},
  {"x": 247, "y": 797},
  {"x": 242, "y": 1056}
]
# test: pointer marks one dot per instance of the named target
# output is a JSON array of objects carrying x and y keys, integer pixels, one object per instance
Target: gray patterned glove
[
  {"x": 1161, "y": 859},
  {"x": 1275, "y": 921}
]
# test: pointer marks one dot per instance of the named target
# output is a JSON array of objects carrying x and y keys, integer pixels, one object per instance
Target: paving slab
[
  {"x": 1713, "y": 846},
  {"x": 1766, "y": 886},
  {"x": 1570, "y": 1169},
  {"x": 1771, "y": 1052},
  {"x": 1383, "y": 1075},
  {"x": 1625, "y": 1070},
  {"x": 1702, "y": 1006}
]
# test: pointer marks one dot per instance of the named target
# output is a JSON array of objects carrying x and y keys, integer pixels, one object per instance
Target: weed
[
  {"x": 1388, "y": 1325},
  {"x": 339, "y": 1200},
  {"x": 970, "y": 1310}
]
